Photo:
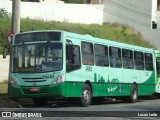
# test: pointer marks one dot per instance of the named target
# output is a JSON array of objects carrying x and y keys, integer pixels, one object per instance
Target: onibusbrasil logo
[{"x": 21, "y": 114}]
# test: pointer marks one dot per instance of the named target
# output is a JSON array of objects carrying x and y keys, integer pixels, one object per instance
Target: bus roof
[
  {"x": 96, "y": 40},
  {"x": 90, "y": 38}
]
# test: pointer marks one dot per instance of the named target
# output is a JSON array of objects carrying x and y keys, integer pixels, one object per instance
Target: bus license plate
[{"x": 34, "y": 89}]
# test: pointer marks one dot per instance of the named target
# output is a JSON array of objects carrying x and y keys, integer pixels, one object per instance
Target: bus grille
[{"x": 33, "y": 79}]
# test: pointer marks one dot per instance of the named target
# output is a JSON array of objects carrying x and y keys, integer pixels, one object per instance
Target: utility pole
[{"x": 15, "y": 28}]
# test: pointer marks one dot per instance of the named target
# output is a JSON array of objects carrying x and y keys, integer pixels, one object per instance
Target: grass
[
  {"x": 109, "y": 31},
  {"x": 1, "y": 50},
  {"x": 6, "y": 102},
  {"x": 4, "y": 89}
]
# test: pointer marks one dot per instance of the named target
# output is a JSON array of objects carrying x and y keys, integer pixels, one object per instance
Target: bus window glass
[
  {"x": 72, "y": 58},
  {"x": 101, "y": 55},
  {"x": 158, "y": 66},
  {"x": 87, "y": 53},
  {"x": 115, "y": 57},
  {"x": 138, "y": 60},
  {"x": 49, "y": 57},
  {"x": 37, "y": 58},
  {"x": 127, "y": 59},
  {"x": 29, "y": 53},
  {"x": 148, "y": 62},
  {"x": 37, "y": 36},
  {"x": 17, "y": 56}
]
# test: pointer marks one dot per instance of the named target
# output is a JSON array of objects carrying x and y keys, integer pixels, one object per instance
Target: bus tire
[
  {"x": 134, "y": 94},
  {"x": 9, "y": 94},
  {"x": 86, "y": 96},
  {"x": 39, "y": 101}
]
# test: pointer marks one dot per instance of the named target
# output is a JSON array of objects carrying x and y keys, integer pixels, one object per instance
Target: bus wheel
[
  {"x": 134, "y": 94},
  {"x": 86, "y": 95},
  {"x": 39, "y": 101}
]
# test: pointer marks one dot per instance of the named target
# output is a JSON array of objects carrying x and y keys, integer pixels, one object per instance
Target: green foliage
[
  {"x": 74, "y": 1},
  {"x": 5, "y": 29},
  {"x": 3, "y": 86},
  {"x": 5, "y": 21},
  {"x": 4, "y": 82},
  {"x": 30, "y": 0},
  {"x": 1, "y": 50},
  {"x": 66, "y": 1},
  {"x": 108, "y": 31},
  {"x": 113, "y": 32},
  {"x": 4, "y": 13}
]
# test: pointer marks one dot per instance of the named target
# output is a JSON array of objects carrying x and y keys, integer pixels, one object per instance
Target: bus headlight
[
  {"x": 59, "y": 79},
  {"x": 13, "y": 81}
]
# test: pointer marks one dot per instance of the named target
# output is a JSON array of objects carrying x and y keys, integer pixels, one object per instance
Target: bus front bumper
[{"x": 54, "y": 90}]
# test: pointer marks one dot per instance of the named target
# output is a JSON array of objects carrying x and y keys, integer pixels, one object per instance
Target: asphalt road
[{"x": 144, "y": 109}]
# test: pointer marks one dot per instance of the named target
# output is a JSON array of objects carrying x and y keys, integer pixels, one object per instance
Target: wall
[
  {"x": 52, "y": 1},
  {"x": 4, "y": 68},
  {"x": 137, "y": 14},
  {"x": 74, "y": 13}
]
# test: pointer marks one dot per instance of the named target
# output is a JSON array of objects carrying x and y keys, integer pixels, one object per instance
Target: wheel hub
[
  {"x": 86, "y": 95},
  {"x": 134, "y": 94}
]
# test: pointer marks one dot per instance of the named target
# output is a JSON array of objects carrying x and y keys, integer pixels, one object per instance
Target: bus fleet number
[
  {"x": 47, "y": 76},
  {"x": 88, "y": 68}
]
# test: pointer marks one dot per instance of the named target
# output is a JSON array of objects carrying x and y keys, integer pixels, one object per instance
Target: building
[{"x": 142, "y": 15}]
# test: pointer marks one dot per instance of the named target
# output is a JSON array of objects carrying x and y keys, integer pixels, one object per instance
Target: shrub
[{"x": 4, "y": 13}]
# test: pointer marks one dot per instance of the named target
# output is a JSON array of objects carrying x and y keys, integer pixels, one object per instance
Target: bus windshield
[{"x": 37, "y": 58}]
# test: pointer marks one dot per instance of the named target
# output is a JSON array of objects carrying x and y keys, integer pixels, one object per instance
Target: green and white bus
[{"x": 58, "y": 64}]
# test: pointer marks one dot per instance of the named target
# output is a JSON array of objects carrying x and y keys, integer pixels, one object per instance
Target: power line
[
  {"x": 122, "y": 16},
  {"x": 125, "y": 1},
  {"x": 129, "y": 9},
  {"x": 125, "y": 8}
]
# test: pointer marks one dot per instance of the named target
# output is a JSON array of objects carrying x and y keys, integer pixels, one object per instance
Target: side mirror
[
  {"x": 5, "y": 50},
  {"x": 10, "y": 37},
  {"x": 6, "y": 47}
]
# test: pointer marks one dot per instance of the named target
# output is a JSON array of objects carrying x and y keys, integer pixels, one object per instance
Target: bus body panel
[
  {"x": 42, "y": 81},
  {"x": 158, "y": 71},
  {"x": 106, "y": 82}
]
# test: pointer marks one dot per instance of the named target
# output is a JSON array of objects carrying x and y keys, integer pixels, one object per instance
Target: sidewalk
[{"x": 4, "y": 68}]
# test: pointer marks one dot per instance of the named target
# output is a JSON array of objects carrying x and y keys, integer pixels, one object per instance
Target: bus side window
[
  {"x": 115, "y": 57},
  {"x": 87, "y": 53},
  {"x": 101, "y": 55},
  {"x": 127, "y": 58},
  {"x": 158, "y": 66},
  {"x": 72, "y": 58},
  {"x": 148, "y": 62},
  {"x": 138, "y": 60}
]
